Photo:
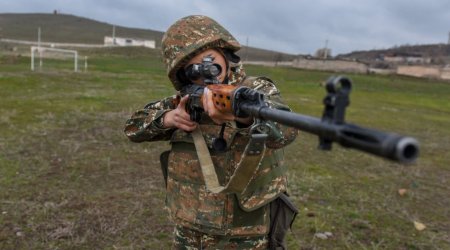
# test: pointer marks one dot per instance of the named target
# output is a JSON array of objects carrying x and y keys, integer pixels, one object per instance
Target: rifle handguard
[{"x": 222, "y": 96}]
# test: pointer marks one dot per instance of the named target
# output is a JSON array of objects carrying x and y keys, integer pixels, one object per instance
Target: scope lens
[
  {"x": 212, "y": 71},
  {"x": 193, "y": 72}
]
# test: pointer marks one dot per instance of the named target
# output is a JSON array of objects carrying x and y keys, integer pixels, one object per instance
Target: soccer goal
[{"x": 36, "y": 50}]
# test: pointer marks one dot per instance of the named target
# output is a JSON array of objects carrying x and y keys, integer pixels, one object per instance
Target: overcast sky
[{"x": 297, "y": 27}]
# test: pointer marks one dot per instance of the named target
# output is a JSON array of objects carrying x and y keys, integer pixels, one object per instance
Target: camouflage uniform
[{"x": 204, "y": 219}]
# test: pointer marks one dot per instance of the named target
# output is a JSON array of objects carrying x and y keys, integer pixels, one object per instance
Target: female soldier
[{"x": 238, "y": 213}]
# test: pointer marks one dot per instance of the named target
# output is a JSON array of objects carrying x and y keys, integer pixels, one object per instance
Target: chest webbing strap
[{"x": 244, "y": 171}]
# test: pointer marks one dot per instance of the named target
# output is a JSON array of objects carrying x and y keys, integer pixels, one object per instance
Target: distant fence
[
  {"x": 425, "y": 71},
  {"x": 437, "y": 72},
  {"x": 382, "y": 71},
  {"x": 331, "y": 65},
  {"x": 35, "y": 43},
  {"x": 318, "y": 64},
  {"x": 269, "y": 63}
]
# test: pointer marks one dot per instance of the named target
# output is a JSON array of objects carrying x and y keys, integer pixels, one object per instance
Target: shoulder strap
[
  {"x": 245, "y": 169},
  {"x": 206, "y": 163}
]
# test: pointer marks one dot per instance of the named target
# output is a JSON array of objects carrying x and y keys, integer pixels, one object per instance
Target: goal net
[{"x": 40, "y": 52}]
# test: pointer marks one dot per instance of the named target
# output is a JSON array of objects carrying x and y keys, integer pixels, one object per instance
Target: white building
[{"x": 121, "y": 41}]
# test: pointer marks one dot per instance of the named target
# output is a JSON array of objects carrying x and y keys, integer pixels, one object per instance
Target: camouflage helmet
[{"x": 189, "y": 36}]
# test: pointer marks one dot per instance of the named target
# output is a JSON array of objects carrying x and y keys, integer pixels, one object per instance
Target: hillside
[
  {"x": 438, "y": 52},
  {"x": 65, "y": 28}
]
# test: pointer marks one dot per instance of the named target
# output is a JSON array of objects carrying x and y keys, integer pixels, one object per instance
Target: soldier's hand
[
  {"x": 179, "y": 118},
  {"x": 216, "y": 115}
]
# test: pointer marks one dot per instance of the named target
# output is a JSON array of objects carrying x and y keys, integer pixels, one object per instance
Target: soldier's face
[{"x": 218, "y": 58}]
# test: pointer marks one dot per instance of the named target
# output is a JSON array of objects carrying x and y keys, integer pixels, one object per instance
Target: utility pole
[
  {"x": 39, "y": 48},
  {"x": 114, "y": 34},
  {"x": 39, "y": 36},
  {"x": 325, "y": 54},
  {"x": 448, "y": 38},
  {"x": 246, "y": 49}
]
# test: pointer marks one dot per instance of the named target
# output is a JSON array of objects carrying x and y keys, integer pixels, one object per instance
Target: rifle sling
[{"x": 244, "y": 171}]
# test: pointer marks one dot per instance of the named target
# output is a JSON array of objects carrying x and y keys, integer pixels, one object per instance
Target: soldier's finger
[
  {"x": 217, "y": 114},
  {"x": 183, "y": 101},
  {"x": 185, "y": 116},
  {"x": 205, "y": 99},
  {"x": 209, "y": 106}
]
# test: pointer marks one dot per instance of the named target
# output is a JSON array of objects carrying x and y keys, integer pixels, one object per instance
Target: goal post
[{"x": 41, "y": 50}]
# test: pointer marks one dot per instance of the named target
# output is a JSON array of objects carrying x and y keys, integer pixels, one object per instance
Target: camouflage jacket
[{"x": 189, "y": 203}]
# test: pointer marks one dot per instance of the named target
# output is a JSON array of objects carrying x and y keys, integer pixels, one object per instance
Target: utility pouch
[
  {"x": 164, "y": 159},
  {"x": 282, "y": 215}
]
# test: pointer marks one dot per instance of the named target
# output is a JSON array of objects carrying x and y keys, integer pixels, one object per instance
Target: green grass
[{"x": 70, "y": 179}]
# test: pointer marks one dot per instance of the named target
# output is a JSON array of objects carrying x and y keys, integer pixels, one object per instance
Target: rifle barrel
[{"x": 392, "y": 146}]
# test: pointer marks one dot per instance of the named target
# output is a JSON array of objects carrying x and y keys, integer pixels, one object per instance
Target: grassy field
[{"x": 70, "y": 179}]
